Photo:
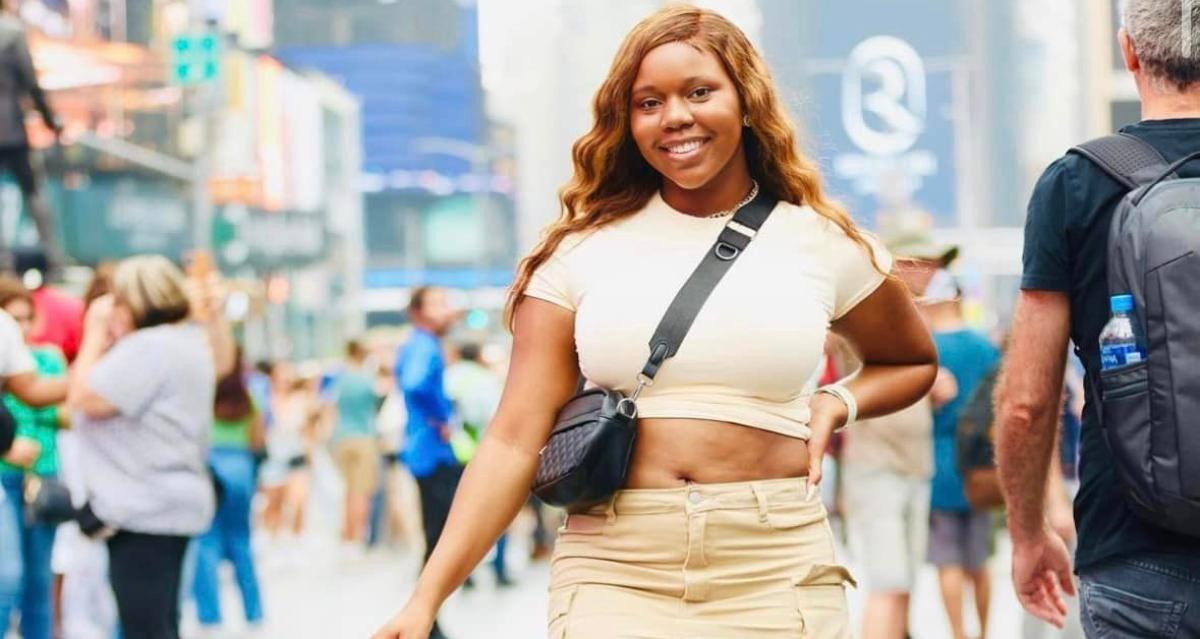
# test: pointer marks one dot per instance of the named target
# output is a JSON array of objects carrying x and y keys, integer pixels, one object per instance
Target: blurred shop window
[
  {"x": 323, "y": 23},
  {"x": 386, "y": 220},
  {"x": 139, "y": 21},
  {"x": 454, "y": 232}
]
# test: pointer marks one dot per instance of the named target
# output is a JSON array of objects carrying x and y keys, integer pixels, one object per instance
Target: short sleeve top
[
  {"x": 146, "y": 468},
  {"x": 759, "y": 340}
]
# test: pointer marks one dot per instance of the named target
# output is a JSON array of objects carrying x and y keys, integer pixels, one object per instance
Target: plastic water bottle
[{"x": 1118, "y": 343}]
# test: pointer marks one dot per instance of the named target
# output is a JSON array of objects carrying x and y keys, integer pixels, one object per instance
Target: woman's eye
[
  {"x": 702, "y": 92},
  {"x": 648, "y": 103}
]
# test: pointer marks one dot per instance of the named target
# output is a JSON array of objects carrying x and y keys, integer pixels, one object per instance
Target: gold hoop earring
[{"x": 746, "y": 121}]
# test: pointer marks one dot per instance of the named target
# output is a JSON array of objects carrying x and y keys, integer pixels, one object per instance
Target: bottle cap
[{"x": 1121, "y": 303}]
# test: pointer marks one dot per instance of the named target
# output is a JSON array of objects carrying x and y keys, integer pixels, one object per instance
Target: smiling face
[{"x": 686, "y": 118}]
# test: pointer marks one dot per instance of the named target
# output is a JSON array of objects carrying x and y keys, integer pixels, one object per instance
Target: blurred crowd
[
  {"x": 136, "y": 403},
  {"x": 143, "y": 451},
  {"x": 920, "y": 486}
]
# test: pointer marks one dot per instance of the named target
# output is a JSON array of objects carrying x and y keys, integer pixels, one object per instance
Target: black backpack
[{"x": 1150, "y": 410}]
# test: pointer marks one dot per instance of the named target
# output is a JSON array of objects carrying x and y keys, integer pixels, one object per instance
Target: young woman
[
  {"x": 236, "y": 434},
  {"x": 719, "y": 532},
  {"x": 286, "y": 474},
  {"x": 356, "y": 399}
]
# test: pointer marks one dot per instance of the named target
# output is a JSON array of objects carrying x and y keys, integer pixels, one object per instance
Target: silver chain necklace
[{"x": 753, "y": 194}]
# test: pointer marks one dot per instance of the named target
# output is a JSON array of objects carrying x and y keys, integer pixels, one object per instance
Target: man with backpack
[{"x": 1102, "y": 224}]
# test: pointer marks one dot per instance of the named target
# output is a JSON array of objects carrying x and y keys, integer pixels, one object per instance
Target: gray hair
[
  {"x": 1167, "y": 45},
  {"x": 153, "y": 289}
]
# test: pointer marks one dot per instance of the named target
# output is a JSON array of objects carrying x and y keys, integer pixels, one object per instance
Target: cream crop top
[{"x": 758, "y": 340}]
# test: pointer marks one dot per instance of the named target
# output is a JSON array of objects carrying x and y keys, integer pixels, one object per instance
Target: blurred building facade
[
  {"x": 437, "y": 172},
  {"x": 350, "y": 150},
  {"x": 163, "y": 159},
  {"x": 950, "y": 108},
  {"x": 987, "y": 94}
]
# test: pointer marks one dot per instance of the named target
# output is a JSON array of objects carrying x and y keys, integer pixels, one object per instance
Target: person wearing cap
[
  {"x": 887, "y": 463},
  {"x": 918, "y": 254},
  {"x": 959, "y": 536}
]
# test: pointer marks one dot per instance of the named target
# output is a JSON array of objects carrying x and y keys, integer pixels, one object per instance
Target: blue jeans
[
  {"x": 25, "y": 576},
  {"x": 1145, "y": 595},
  {"x": 228, "y": 538}
]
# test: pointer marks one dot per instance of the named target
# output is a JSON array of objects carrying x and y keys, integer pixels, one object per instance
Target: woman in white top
[
  {"x": 717, "y": 533},
  {"x": 286, "y": 473}
]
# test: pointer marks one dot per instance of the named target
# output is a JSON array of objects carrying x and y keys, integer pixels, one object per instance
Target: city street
[
  {"x": 320, "y": 599},
  {"x": 273, "y": 273}
]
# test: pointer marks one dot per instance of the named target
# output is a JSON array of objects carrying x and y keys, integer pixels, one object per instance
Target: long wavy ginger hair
[{"x": 613, "y": 181}]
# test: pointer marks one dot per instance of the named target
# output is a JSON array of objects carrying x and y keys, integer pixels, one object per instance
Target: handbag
[
  {"x": 586, "y": 458},
  {"x": 47, "y": 501}
]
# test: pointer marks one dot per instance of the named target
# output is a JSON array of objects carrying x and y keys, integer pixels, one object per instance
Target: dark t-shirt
[{"x": 1066, "y": 234}]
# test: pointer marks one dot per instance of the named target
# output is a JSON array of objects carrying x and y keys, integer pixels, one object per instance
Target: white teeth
[{"x": 686, "y": 147}]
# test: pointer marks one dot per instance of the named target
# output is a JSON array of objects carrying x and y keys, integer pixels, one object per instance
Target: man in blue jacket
[{"x": 420, "y": 373}]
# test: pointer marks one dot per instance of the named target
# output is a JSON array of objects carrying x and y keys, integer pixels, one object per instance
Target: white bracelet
[{"x": 841, "y": 392}]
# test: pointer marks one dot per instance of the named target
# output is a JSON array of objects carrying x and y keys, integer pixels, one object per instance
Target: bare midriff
[{"x": 674, "y": 452}]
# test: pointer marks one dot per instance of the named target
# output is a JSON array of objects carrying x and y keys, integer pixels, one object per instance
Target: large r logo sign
[{"x": 883, "y": 96}]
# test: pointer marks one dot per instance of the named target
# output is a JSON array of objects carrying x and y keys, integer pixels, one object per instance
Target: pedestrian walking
[
  {"x": 1136, "y": 562},
  {"x": 142, "y": 394},
  {"x": 36, "y": 459},
  {"x": 18, "y": 80},
  {"x": 286, "y": 474},
  {"x": 237, "y": 432},
  {"x": 887, "y": 463},
  {"x": 475, "y": 391},
  {"x": 420, "y": 374},
  {"x": 960, "y": 536},
  {"x": 356, "y": 398},
  {"x": 717, "y": 530}
]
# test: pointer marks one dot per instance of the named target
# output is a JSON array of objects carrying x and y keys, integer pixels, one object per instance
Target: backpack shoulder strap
[{"x": 1128, "y": 159}]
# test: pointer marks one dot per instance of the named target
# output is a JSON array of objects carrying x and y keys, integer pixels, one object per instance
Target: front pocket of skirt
[{"x": 821, "y": 601}]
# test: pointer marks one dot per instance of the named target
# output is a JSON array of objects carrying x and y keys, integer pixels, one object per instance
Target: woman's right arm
[{"x": 542, "y": 377}]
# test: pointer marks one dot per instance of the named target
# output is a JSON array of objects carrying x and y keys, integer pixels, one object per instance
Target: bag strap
[
  {"x": 730, "y": 245},
  {"x": 1126, "y": 158}
]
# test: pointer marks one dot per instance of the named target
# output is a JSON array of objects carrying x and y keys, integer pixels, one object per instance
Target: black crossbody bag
[{"x": 587, "y": 456}]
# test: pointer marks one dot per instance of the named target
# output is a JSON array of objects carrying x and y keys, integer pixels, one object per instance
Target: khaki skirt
[{"x": 748, "y": 560}]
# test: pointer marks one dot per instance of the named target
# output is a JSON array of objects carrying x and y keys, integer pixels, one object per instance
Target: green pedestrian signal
[{"x": 195, "y": 58}]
